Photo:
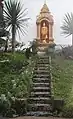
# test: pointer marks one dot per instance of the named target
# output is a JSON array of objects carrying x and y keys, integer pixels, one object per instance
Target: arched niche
[{"x": 44, "y": 31}]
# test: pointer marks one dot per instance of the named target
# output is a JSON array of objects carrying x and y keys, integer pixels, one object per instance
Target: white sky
[{"x": 57, "y": 8}]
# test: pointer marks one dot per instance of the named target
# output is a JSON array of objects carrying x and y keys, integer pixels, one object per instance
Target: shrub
[
  {"x": 10, "y": 106},
  {"x": 27, "y": 53},
  {"x": 67, "y": 112},
  {"x": 20, "y": 106},
  {"x": 5, "y": 105}
]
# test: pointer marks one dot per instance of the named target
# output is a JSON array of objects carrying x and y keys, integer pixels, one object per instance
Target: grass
[
  {"x": 12, "y": 56},
  {"x": 62, "y": 71}
]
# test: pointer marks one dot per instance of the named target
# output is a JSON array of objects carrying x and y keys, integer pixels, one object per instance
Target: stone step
[
  {"x": 41, "y": 84},
  {"x": 41, "y": 76},
  {"x": 40, "y": 89},
  {"x": 39, "y": 113},
  {"x": 40, "y": 94},
  {"x": 43, "y": 57},
  {"x": 41, "y": 80},
  {"x": 39, "y": 104},
  {"x": 42, "y": 68},
  {"x": 42, "y": 65},
  {"x": 43, "y": 60},
  {"x": 41, "y": 71},
  {"x": 40, "y": 100},
  {"x": 40, "y": 107}
]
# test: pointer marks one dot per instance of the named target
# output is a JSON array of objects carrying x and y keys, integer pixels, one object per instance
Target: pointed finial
[{"x": 44, "y": 1}]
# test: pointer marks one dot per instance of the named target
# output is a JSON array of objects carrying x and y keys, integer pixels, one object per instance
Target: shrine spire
[
  {"x": 45, "y": 8},
  {"x": 44, "y": 1}
]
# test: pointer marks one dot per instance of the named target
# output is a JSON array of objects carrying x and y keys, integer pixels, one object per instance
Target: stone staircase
[{"x": 40, "y": 98}]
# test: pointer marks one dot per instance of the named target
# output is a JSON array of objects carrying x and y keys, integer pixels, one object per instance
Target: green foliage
[
  {"x": 68, "y": 112},
  {"x": 20, "y": 106},
  {"x": 2, "y": 42},
  {"x": 5, "y": 105},
  {"x": 16, "y": 73},
  {"x": 34, "y": 45},
  {"x": 68, "y": 52},
  {"x": 28, "y": 53},
  {"x": 62, "y": 71}
]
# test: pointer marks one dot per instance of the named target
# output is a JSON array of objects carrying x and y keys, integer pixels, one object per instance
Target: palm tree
[
  {"x": 67, "y": 26},
  {"x": 15, "y": 18}
]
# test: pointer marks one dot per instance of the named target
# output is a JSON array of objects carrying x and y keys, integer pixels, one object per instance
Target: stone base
[
  {"x": 42, "y": 47},
  {"x": 57, "y": 105}
]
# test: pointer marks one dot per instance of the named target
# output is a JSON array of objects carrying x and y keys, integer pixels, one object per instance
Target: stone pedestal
[{"x": 42, "y": 47}]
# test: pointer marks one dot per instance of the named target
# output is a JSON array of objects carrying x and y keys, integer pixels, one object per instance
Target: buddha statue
[{"x": 44, "y": 31}]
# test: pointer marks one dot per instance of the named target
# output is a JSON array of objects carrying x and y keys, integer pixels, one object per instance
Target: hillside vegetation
[
  {"x": 62, "y": 71},
  {"x": 15, "y": 74}
]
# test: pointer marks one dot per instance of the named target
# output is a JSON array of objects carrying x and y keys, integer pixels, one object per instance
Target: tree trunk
[
  {"x": 72, "y": 39},
  {"x": 6, "y": 45},
  {"x": 13, "y": 38}
]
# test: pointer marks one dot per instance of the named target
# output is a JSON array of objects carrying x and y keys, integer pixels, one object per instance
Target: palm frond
[{"x": 67, "y": 27}]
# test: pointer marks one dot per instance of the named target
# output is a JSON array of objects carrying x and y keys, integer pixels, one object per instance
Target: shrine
[{"x": 44, "y": 24}]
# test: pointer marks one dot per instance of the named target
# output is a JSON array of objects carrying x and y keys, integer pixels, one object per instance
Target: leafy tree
[
  {"x": 67, "y": 26},
  {"x": 28, "y": 53},
  {"x": 2, "y": 42},
  {"x": 33, "y": 46},
  {"x": 15, "y": 19}
]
